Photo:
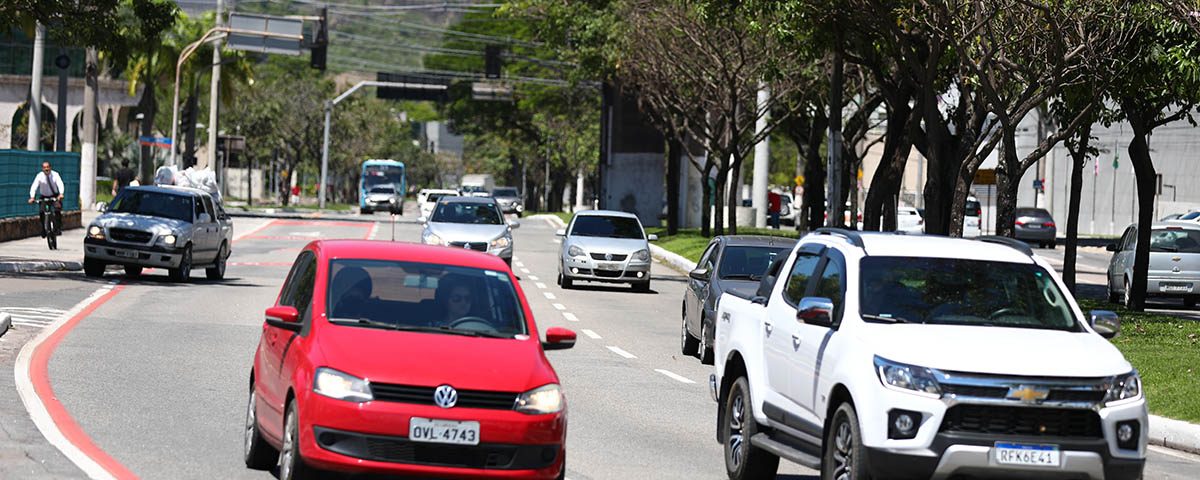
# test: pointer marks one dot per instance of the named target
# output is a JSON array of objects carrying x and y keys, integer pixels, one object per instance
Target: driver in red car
[{"x": 454, "y": 297}]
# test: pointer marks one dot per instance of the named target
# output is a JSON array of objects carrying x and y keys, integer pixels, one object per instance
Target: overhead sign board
[
  {"x": 985, "y": 176},
  {"x": 265, "y": 33},
  {"x": 491, "y": 91},
  {"x": 160, "y": 142},
  {"x": 433, "y": 88}
]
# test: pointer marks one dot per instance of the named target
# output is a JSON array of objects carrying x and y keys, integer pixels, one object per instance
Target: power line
[
  {"x": 444, "y": 5},
  {"x": 443, "y": 31}
]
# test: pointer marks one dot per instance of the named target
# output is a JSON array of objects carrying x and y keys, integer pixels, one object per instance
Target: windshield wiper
[
  {"x": 887, "y": 319},
  {"x": 452, "y": 331},
  {"x": 367, "y": 322}
]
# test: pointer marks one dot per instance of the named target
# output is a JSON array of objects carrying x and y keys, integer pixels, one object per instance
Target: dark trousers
[
  {"x": 774, "y": 220},
  {"x": 57, "y": 216}
]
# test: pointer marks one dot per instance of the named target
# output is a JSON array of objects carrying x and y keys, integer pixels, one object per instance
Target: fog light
[
  {"x": 640, "y": 274},
  {"x": 327, "y": 438},
  {"x": 903, "y": 424},
  {"x": 575, "y": 270},
  {"x": 1124, "y": 433},
  {"x": 1127, "y": 435}
]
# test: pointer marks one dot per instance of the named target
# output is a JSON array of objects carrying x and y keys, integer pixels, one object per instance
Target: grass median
[{"x": 690, "y": 244}]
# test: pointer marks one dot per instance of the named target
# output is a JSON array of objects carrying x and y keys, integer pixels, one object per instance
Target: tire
[
  {"x": 743, "y": 461},
  {"x": 705, "y": 350},
  {"x": 366, "y": 211},
  {"x": 291, "y": 461},
  {"x": 52, "y": 241},
  {"x": 566, "y": 281},
  {"x": 1113, "y": 297},
  {"x": 642, "y": 286},
  {"x": 508, "y": 261},
  {"x": 687, "y": 343},
  {"x": 184, "y": 272},
  {"x": 93, "y": 268},
  {"x": 1127, "y": 296},
  {"x": 217, "y": 271},
  {"x": 258, "y": 454},
  {"x": 845, "y": 456},
  {"x": 133, "y": 270},
  {"x": 1051, "y": 244}
]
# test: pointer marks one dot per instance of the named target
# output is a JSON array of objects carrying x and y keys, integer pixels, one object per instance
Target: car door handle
[
  {"x": 769, "y": 328},
  {"x": 795, "y": 343}
]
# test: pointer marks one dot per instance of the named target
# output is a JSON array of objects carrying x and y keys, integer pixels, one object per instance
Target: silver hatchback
[
  {"x": 605, "y": 246},
  {"x": 1174, "y": 263}
]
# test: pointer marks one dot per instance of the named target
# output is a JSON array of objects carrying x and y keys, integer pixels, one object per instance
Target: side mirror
[
  {"x": 1104, "y": 322},
  {"x": 1112, "y": 247},
  {"x": 815, "y": 311},
  {"x": 562, "y": 232},
  {"x": 558, "y": 338},
  {"x": 203, "y": 218},
  {"x": 651, "y": 237},
  {"x": 699, "y": 274},
  {"x": 513, "y": 224},
  {"x": 287, "y": 318}
]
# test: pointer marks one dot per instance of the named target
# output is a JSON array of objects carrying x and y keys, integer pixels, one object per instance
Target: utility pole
[
  {"x": 32, "y": 142},
  {"x": 87, "y": 164},
  {"x": 834, "y": 169},
  {"x": 762, "y": 159},
  {"x": 214, "y": 94}
]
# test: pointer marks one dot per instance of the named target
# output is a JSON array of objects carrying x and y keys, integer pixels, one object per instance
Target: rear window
[
  {"x": 1175, "y": 240},
  {"x": 972, "y": 209},
  {"x": 1190, "y": 216},
  {"x": 1032, "y": 212}
]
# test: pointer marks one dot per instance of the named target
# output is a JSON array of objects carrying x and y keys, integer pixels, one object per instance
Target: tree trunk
[
  {"x": 735, "y": 192},
  {"x": 1143, "y": 168},
  {"x": 706, "y": 203},
  {"x": 814, "y": 189},
  {"x": 939, "y": 200},
  {"x": 674, "y": 169},
  {"x": 87, "y": 165},
  {"x": 1078, "y": 157},
  {"x": 1008, "y": 181},
  {"x": 885, "y": 183},
  {"x": 719, "y": 203}
]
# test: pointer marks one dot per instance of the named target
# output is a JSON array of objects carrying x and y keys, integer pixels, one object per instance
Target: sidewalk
[{"x": 33, "y": 255}]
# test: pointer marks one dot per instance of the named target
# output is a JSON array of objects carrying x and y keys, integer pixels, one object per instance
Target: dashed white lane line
[
  {"x": 560, "y": 306},
  {"x": 525, "y": 271},
  {"x": 592, "y": 335},
  {"x": 374, "y": 231},
  {"x": 531, "y": 277},
  {"x": 618, "y": 351},
  {"x": 549, "y": 296},
  {"x": 557, "y": 241},
  {"x": 570, "y": 317},
  {"x": 540, "y": 285},
  {"x": 519, "y": 264},
  {"x": 673, "y": 375}
]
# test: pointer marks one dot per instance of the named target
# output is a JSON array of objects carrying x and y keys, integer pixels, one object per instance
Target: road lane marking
[
  {"x": 47, "y": 412},
  {"x": 519, "y": 264},
  {"x": 618, "y": 351},
  {"x": 525, "y": 270},
  {"x": 374, "y": 231},
  {"x": 592, "y": 335},
  {"x": 540, "y": 285},
  {"x": 560, "y": 306},
  {"x": 570, "y": 317},
  {"x": 549, "y": 296},
  {"x": 33, "y": 317},
  {"x": 532, "y": 277},
  {"x": 557, "y": 241},
  {"x": 254, "y": 230},
  {"x": 673, "y": 375}
]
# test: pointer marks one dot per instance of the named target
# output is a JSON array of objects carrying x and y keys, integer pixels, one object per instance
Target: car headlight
[
  {"x": 542, "y": 400},
  {"x": 575, "y": 251},
  {"x": 169, "y": 239},
  {"x": 96, "y": 232},
  {"x": 642, "y": 255},
  {"x": 907, "y": 378},
  {"x": 342, "y": 386},
  {"x": 1123, "y": 389},
  {"x": 502, "y": 242},
  {"x": 431, "y": 238}
]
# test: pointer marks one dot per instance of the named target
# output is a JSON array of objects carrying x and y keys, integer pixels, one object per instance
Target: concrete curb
[
  {"x": 40, "y": 266},
  {"x": 316, "y": 217},
  {"x": 5, "y": 323},
  {"x": 1174, "y": 434},
  {"x": 668, "y": 258}
]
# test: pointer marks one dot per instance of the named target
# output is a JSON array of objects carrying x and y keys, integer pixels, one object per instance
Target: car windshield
[
  {"x": 424, "y": 297},
  {"x": 388, "y": 190},
  {"x": 605, "y": 226},
  {"x": 951, "y": 291},
  {"x": 1175, "y": 240},
  {"x": 462, "y": 212},
  {"x": 747, "y": 262},
  {"x": 154, "y": 204},
  {"x": 472, "y": 189},
  {"x": 434, "y": 197},
  {"x": 504, "y": 192}
]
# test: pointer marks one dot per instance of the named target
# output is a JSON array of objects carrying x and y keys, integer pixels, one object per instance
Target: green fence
[{"x": 17, "y": 171}]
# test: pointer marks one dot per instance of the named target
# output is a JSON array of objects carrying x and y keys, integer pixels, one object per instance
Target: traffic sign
[
  {"x": 985, "y": 176},
  {"x": 160, "y": 142},
  {"x": 799, "y": 180},
  {"x": 1037, "y": 183},
  {"x": 265, "y": 33}
]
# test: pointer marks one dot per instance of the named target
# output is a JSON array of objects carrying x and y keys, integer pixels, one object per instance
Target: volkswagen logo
[
  {"x": 608, "y": 256},
  {"x": 467, "y": 245},
  {"x": 445, "y": 396}
]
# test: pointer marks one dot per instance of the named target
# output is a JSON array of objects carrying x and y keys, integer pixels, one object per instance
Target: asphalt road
[
  {"x": 157, "y": 376},
  {"x": 1091, "y": 267}
]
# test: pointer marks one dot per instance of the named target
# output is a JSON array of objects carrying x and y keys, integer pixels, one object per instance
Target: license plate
[
  {"x": 608, "y": 266},
  {"x": 443, "y": 431},
  {"x": 1175, "y": 287},
  {"x": 1022, "y": 454},
  {"x": 125, "y": 253}
]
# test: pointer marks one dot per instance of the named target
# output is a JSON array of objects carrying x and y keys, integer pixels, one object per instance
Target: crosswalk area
[{"x": 33, "y": 317}]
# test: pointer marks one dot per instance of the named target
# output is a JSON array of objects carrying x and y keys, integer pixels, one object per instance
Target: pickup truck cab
[{"x": 893, "y": 356}]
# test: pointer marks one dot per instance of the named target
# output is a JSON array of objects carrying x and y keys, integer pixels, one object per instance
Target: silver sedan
[
  {"x": 605, "y": 246},
  {"x": 474, "y": 223}
]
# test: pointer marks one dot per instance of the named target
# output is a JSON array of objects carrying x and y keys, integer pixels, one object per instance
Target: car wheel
[
  {"x": 508, "y": 261},
  {"x": 844, "y": 453},
  {"x": 217, "y": 271},
  {"x": 93, "y": 268},
  {"x": 706, "y": 350},
  {"x": 742, "y": 459},
  {"x": 184, "y": 272},
  {"x": 566, "y": 281},
  {"x": 1127, "y": 296},
  {"x": 291, "y": 463},
  {"x": 687, "y": 343},
  {"x": 366, "y": 211},
  {"x": 1051, "y": 244},
  {"x": 1113, "y": 296},
  {"x": 133, "y": 270},
  {"x": 255, "y": 450}
]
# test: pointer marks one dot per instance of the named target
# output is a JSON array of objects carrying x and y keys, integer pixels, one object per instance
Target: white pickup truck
[{"x": 893, "y": 356}]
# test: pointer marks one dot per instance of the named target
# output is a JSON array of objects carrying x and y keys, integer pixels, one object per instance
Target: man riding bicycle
[{"x": 48, "y": 185}]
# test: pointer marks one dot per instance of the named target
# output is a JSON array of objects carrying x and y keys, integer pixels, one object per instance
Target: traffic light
[
  {"x": 491, "y": 61},
  {"x": 320, "y": 42}
]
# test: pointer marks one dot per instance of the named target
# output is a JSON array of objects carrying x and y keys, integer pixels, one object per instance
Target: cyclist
[{"x": 48, "y": 185}]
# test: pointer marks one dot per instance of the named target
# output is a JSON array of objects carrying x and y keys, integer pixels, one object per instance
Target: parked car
[
  {"x": 891, "y": 356},
  {"x": 473, "y": 223},
  {"x": 972, "y": 220},
  {"x": 383, "y": 197},
  {"x": 175, "y": 228},
  {"x": 404, "y": 359},
  {"x": 1174, "y": 263},
  {"x": 729, "y": 262},
  {"x": 910, "y": 220},
  {"x": 605, "y": 246},
  {"x": 427, "y": 199},
  {"x": 1173, "y": 216},
  {"x": 1193, "y": 216},
  {"x": 509, "y": 200},
  {"x": 1035, "y": 225}
]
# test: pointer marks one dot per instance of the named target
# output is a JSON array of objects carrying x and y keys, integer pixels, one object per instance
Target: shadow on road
[{"x": 604, "y": 287}]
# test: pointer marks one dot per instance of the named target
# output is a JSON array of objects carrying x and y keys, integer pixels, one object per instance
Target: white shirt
[{"x": 42, "y": 188}]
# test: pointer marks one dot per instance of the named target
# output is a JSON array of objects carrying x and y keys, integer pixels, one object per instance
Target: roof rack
[
  {"x": 849, "y": 235},
  {"x": 1008, "y": 242}
]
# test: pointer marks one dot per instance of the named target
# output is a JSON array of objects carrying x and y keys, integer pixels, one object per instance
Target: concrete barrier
[{"x": 24, "y": 227}]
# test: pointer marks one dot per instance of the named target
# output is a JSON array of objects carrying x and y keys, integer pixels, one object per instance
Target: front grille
[
  {"x": 424, "y": 396},
  {"x": 1056, "y": 395},
  {"x": 401, "y": 450},
  {"x": 974, "y": 391},
  {"x": 1024, "y": 421},
  {"x": 477, "y": 246},
  {"x": 615, "y": 257},
  {"x": 608, "y": 273},
  {"x": 1088, "y": 396},
  {"x": 127, "y": 235}
]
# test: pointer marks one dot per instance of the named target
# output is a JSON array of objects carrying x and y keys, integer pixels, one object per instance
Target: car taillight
[
  {"x": 1048, "y": 224},
  {"x": 1018, "y": 222}
]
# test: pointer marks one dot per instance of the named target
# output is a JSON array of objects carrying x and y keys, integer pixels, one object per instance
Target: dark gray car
[
  {"x": 509, "y": 200},
  {"x": 1035, "y": 225},
  {"x": 731, "y": 262}
]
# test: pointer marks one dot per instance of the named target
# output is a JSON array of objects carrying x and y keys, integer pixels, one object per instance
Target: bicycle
[{"x": 46, "y": 206}]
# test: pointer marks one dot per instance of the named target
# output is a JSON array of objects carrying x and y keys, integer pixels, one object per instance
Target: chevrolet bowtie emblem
[
  {"x": 1027, "y": 394},
  {"x": 1176, "y": 259}
]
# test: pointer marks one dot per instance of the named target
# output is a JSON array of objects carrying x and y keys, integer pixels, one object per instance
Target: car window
[
  {"x": 1175, "y": 240},
  {"x": 154, "y": 204},
  {"x": 298, "y": 289},
  {"x": 1189, "y": 216},
  {"x": 832, "y": 284},
  {"x": 208, "y": 207},
  {"x": 798, "y": 280},
  {"x": 423, "y": 296},
  {"x": 504, "y": 192},
  {"x": 434, "y": 197},
  {"x": 746, "y": 262},
  {"x": 383, "y": 189},
  {"x": 463, "y": 212},
  {"x": 606, "y": 226},
  {"x": 706, "y": 258},
  {"x": 1129, "y": 239},
  {"x": 953, "y": 291},
  {"x": 972, "y": 208}
]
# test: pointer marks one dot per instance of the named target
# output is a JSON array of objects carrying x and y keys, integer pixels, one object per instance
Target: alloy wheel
[
  {"x": 288, "y": 454},
  {"x": 843, "y": 454},
  {"x": 251, "y": 425},
  {"x": 736, "y": 442}
]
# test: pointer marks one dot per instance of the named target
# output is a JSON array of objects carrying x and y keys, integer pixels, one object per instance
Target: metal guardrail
[{"x": 17, "y": 171}]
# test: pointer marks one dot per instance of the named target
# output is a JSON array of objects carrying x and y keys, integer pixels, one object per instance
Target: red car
[{"x": 404, "y": 359}]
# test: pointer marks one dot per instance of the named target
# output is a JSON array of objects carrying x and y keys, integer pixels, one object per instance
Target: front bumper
[
  {"x": 373, "y": 437},
  {"x": 131, "y": 254},
  {"x": 502, "y": 252},
  {"x": 585, "y": 268},
  {"x": 512, "y": 208}
]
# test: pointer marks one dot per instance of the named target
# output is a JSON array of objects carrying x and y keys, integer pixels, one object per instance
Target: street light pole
[{"x": 214, "y": 93}]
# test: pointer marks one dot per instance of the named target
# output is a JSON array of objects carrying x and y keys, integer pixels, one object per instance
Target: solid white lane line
[
  {"x": 570, "y": 316},
  {"x": 618, "y": 351},
  {"x": 549, "y": 296},
  {"x": 673, "y": 375},
  {"x": 525, "y": 270},
  {"x": 592, "y": 335},
  {"x": 540, "y": 285},
  {"x": 560, "y": 306},
  {"x": 531, "y": 277}
]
